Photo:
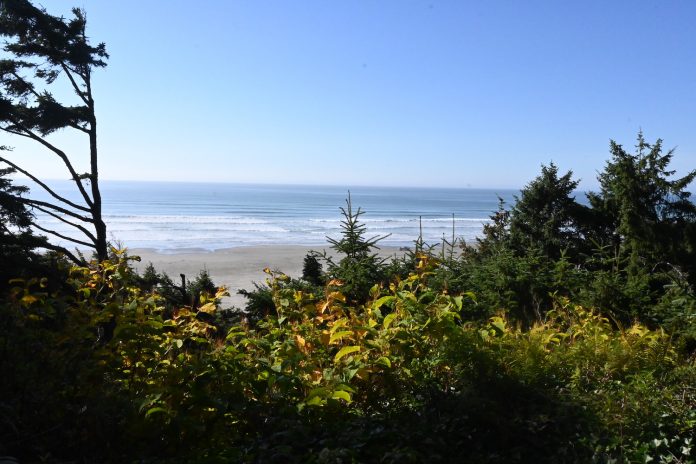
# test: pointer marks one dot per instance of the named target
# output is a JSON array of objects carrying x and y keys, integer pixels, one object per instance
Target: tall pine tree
[{"x": 643, "y": 211}]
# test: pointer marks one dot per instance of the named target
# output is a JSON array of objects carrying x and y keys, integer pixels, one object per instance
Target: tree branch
[
  {"x": 30, "y": 87},
  {"x": 29, "y": 201},
  {"x": 62, "y": 219},
  {"x": 61, "y": 154},
  {"x": 64, "y": 237},
  {"x": 78, "y": 127},
  {"x": 60, "y": 249},
  {"x": 14, "y": 132},
  {"x": 74, "y": 84},
  {"x": 44, "y": 186}
]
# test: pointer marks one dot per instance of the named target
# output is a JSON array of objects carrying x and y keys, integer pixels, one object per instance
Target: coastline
[{"x": 235, "y": 268}]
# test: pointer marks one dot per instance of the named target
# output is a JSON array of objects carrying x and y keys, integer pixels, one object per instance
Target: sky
[{"x": 386, "y": 93}]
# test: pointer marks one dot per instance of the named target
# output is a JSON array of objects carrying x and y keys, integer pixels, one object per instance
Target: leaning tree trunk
[
  {"x": 100, "y": 244},
  {"x": 41, "y": 48}
]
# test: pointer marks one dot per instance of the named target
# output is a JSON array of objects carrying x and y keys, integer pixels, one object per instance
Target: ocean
[{"x": 170, "y": 217}]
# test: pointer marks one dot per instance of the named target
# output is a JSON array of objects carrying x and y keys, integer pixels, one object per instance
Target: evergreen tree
[
  {"x": 203, "y": 283},
  {"x": 312, "y": 270},
  {"x": 496, "y": 233},
  {"x": 150, "y": 278},
  {"x": 640, "y": 210},
  {"x": 360, "y": 267},
  {"x": 545, "y": 215},
  {"x": 49, "y": 53}
]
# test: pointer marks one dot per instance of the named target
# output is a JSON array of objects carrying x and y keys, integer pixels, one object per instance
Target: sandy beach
[{"x": 236, "y": 268}]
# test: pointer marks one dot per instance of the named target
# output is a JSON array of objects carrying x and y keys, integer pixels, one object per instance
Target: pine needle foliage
[
  {"x": 646, "y": 214},
  {"x": 353, "y": 243},
  {"x": 360, "y": 266}
]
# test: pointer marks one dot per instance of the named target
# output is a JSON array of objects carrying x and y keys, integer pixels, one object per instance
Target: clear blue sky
[{"x": 408, "y": 93}]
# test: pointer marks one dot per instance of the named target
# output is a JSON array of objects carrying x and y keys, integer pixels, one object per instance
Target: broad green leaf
[
  {"x": 350, "y": 373},
  {"x": 338, "y": 324},
  {"x": 384, "y": 361},
  {"x": 315, "y": 401},
  {"x": 382, "y": 301},
  {"x": 340, "y": 335},
  {"x": 499, "y": 324},
  {"x": 154, "y": 324},
  {"x": 346, "y": 350},
  {"x": 407, "y": 296},
  {"x": 344, "y": 387},
  {"x": 470, "y": 295},
  {"x": 343, "y": 395},
  {"x": 388, "y": 320}
]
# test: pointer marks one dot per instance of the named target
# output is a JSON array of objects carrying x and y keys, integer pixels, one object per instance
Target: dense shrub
[{"x": 401, "y": 377}]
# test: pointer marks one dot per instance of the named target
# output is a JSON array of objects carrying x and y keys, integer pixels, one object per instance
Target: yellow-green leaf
[
  {"x": 382, "y": 301},
  {"x": 343, "y": 395},
  {"x": 498, "y": 323},
  {"x": 338, "y": 324},
  {"x": 388, "y": 320},
  {"x": 152, "y": 411},
  {"x": 314, "y": 401},
  {"x": 346, "y": 350},
  {"x": 340, "y": 335}
]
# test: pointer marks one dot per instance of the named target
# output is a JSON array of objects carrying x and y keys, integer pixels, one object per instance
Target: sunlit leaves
[{"x": 346, "y": 350}]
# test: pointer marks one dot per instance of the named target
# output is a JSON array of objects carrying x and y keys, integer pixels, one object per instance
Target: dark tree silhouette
[
  {"x": 17, "y": 241},
  {"x": 44, "y": 52},
  {"x": 312, "y": 269}
]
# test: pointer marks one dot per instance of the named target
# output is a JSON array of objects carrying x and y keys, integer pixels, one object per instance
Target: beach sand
[{"x": 235, "y": 268}]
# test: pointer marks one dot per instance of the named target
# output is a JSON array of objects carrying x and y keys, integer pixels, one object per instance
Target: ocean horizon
[{"x": 175, "y": 216}]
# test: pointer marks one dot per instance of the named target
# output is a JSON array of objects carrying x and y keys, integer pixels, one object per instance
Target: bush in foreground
[{"x": 400, "y": 378}]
